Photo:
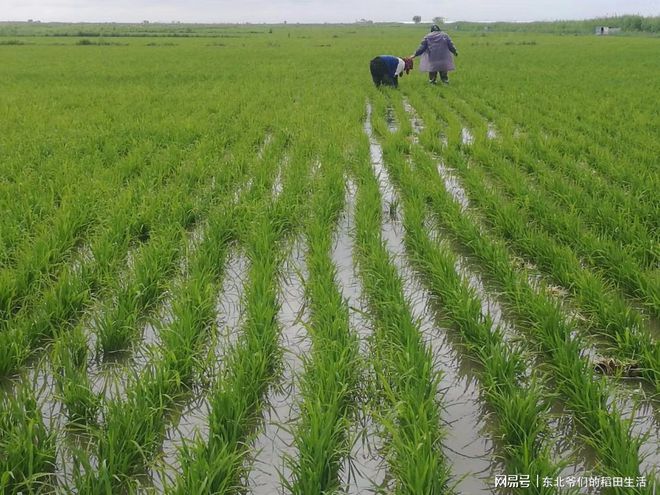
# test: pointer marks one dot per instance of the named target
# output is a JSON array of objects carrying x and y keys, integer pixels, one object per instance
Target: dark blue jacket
[{"x": 391, "y": 62}]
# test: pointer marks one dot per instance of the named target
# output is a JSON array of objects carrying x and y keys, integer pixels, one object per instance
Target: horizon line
[{"x": 322, "y": 23}]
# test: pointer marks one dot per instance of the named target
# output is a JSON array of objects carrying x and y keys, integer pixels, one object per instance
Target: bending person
[
  {"x": 386, "y": 69},
  {"x": 436, "y": 50}
]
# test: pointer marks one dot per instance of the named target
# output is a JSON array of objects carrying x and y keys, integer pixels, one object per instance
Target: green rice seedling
[
  {"x": 406, "y": 380},
  {"x": 330, "y": 383},
  {"x": 46, "y": 254},
  {"x": 559, "y": 133},
  {"x": 126, "y": 450},
  {"x": 169, "y": 380},
  {"x": 520, "y": 407},
  {"x": 606, "y": 208},
  {"x": 27, "y": 448},
  {"x": 237, "y": 401},
  {"x": 60, "y": 305},
  {"x": 603, "y": 427},
  {"x": 132, "y": 432},
  {"x": 117, "y": 327},
  {"x": 250, "y": 366},
  {"x": 116, "y": 330},
  {"x": 69, "y": 357},
  {"x": 566, "y": 228},
  {"x": 611, "y": 315}
]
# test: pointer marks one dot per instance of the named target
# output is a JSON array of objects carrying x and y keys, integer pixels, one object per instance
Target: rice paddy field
[{"x": 230, "y": 264}]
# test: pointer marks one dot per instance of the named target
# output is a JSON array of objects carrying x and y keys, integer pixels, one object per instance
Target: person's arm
[
  {"x": 451, "y": 46},
  {"x": 422, "y": 48}
]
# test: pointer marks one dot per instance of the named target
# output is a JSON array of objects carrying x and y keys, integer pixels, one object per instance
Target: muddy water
[
  {"x": 275, "y": 441},
  {"x": 42, "y": 381},
  {"x": 453, "y": 185},
  {"x": 489, "y": 305},
  {"x": 466, "y": 447},
  {"x": 392, "y": 124},
  {"x": 491, "y": 132},
  {"x": 466, "y": 136},
  {"x": 191, "y": 424},
  {"x": 415, "y": 121},
  {"x": 565, "y": 444},
  {"x": 347, "y": 279},
  {"x": 365, "y": 468},
  {"x": 634, "y": 404},
  {"x": 230, "y": 308},
  {"x": 277, "y": 185}
]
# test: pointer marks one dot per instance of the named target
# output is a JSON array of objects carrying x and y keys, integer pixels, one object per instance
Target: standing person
[
  {"x": 436, "y": 49},
  {"x": 386, "y": 69}
]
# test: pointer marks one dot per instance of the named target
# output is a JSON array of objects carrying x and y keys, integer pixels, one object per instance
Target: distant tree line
[{"x": 627, "y": 23}]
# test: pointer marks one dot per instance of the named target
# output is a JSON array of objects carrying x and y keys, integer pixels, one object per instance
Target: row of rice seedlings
[
  {"x": 624, "y": 175},
  {"x": 623, "y": 261},
  {"x": 53, "y": 247},
  {"x": 169, "y": 377},
  {"x": 191, "y": 419},
  {"x": 475, "y": 120},
  {"x": 36, "y": 189},
  {"x": 79, "y": 379},
  {"x": 521, "y": 406},
  {"x": 27, "y": 448},
  {"x": 611, "y": 318},
  {"x": 329, "y": 386},
  {"x": 118, "y": 326},
  {"x": 567, "y": 229},
  {"x": 83, "y": 401},
  {"x": 634, "y": 168},
  {"x": 274, "y": 441},
  {"x": 603, "y": 316},
  {"x": 621, "y": 170},
  {"x": 58, "y": 306},
  {"x": 153, "y": 264},
  {"x": 133, "y": 429},
  {"x": 406, "y": 383},
  {"x": 74, "y": 388},
  {"x": 105, "y": 377},
  {"x": 70, "y": 359},
  {"x": 35, "y": 273},
  {"x": 34, "y": 200},
  {"x": 605, "y": 208},
  {"x": 600, "y": 427},
  {"x": 63, "y": 303},
  {"x": 627, "y": 228},
  {"x": 470, "y": 442},
  {"x": 363, "y": 469},
  {"x": 220, "y": 464}
]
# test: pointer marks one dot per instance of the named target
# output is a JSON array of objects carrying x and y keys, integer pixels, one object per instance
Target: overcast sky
[{"x": 316, "y": 10}]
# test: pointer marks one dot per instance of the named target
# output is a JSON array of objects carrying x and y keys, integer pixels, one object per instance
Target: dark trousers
[
  {"x": 380, "y": 75},
  {"x": 444, "y": 77}
]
